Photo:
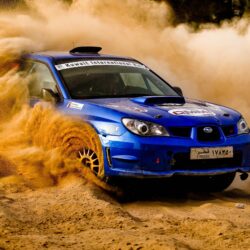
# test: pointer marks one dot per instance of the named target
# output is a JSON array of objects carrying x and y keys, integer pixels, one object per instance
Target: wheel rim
[{"x": 90, "y": 160}]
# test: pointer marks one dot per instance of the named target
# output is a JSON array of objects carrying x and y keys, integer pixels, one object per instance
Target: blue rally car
[{"x": 146, "y": 127}]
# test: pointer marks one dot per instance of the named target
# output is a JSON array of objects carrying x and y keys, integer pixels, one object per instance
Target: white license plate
[{"x": 211, "y": 153}]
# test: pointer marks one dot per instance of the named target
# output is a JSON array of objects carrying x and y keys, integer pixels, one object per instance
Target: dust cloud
[{"x": 209, "y": 64}]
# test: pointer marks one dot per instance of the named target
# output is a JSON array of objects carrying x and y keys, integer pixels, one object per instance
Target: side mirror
[
  {"x": 178, "y": 90},
  {"x": 49, "y": 95}
]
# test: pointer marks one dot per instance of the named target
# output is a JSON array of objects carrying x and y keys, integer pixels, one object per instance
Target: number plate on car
[{"x": 211, "y": 153}]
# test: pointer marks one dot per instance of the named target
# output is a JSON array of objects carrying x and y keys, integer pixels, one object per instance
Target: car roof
[{"x": 60, "y": 55}]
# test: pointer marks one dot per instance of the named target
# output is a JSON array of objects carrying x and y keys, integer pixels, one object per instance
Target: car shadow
[
  {"x": 234, "y": 194},
  {"x": 176, "y": 190}
]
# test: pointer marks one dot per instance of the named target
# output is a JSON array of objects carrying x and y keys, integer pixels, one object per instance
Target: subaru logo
[{"x": 208, "y": 130}]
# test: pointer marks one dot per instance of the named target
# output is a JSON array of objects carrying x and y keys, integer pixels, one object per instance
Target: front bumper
[{"x": 135, "y": 156}]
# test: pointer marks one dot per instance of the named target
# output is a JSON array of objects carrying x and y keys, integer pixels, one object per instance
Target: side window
[{"x": 41, "y": 78}]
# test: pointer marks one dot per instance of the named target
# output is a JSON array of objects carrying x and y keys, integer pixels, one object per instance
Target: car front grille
[
  {"x": 208, "y": 137},
  {"x": 229, "y": 130},
  {"x": 180, "y": 131},
  {"x": 201, "y": 135},
  {"x": 181, "y": 161}
]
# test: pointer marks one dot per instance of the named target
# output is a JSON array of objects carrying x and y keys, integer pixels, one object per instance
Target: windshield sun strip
[{"x": 89, "y": 63}]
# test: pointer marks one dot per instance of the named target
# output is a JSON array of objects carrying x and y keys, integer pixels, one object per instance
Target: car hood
[{"x": 170, "y": 111}]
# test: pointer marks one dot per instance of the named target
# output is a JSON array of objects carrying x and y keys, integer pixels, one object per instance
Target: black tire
[{"x": 215, "y": 183}]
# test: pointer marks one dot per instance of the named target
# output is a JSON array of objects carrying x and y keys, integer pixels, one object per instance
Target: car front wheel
[{"x": 90, "y": 159}]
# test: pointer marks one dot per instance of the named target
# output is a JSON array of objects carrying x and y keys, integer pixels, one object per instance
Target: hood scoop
[{"x": 159, "y": 100}]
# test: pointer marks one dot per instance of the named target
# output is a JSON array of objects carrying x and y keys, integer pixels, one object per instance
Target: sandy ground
[{"x": 79, "y": 215}]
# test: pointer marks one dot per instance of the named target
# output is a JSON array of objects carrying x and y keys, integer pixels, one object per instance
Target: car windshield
[{"x": 111, "y": 79}]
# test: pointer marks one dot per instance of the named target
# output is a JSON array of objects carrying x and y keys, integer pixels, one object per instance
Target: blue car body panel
[{"x": 128, "y": 154}]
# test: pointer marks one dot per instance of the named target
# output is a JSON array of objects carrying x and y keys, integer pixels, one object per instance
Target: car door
[{"x": 41, "y": 79}]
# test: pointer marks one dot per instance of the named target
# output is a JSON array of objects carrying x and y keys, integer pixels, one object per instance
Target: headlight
[
  {"x": 144, "y": 128},
  {"x": 242, "y": 126}
]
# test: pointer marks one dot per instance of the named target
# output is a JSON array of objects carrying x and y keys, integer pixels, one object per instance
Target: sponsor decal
[
  {"x": 191, "y": 112},
  {"x": 90, "y": 63},
  {"x": 141, "y": 110},
  {"x": 75, "y": 105}
]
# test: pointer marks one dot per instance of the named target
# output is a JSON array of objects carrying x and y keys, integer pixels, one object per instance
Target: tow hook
[{"x": 243, "y": 176}]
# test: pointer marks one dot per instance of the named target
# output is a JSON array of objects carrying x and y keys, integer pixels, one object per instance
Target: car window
[
  {"x": 111, "y": 79},
  {"x": 154, "y": 88},
  {"x": 41, "y": 78}
]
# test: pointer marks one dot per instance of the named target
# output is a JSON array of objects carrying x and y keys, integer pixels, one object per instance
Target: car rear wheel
[{"x": 214, "y": 183}]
